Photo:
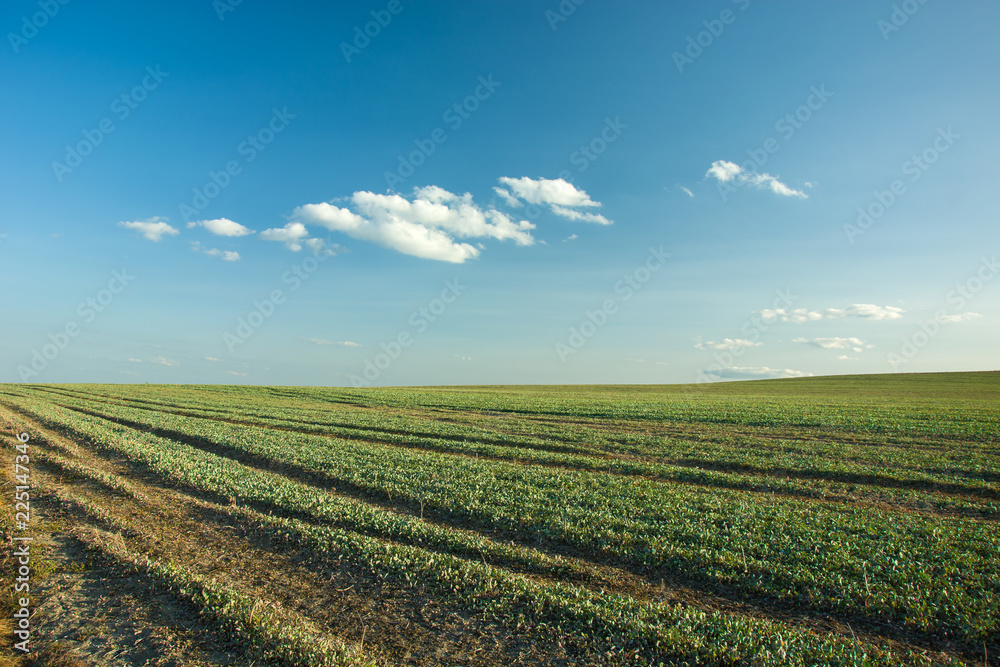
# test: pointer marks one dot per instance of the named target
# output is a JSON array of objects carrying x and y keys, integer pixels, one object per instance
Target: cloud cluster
[
  {"x": 432, "y": 223},
  {"x": 865, "y": 311},
  {"x": 732, "y": 173},
  {"x": 153, "y": 229},
  {"x": 427, "y": 225}
]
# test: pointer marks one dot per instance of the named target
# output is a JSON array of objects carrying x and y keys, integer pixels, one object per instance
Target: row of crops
[{"x": 506, "y": 517}]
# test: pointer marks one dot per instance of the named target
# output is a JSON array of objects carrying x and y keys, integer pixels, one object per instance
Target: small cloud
[
  {"x": 222, "y": 227},
  {"x": 152, "y": 229},
  {"x": 686, "y": 191},
  {"x": 571, "y": 237},
  {"x": 725, "y": 344},
  {"x": 845, "y": 357},
  {"x": 212, "y": 359},
  {"x": 292, "y": 235},
  {"x": 163, "y": 361},
  {"x": 463, "y": 358},
  {"x": 226, "y": 255},
  {"x": 345, "y": 343},
  {"x": 961, "y": 317},
  {"x": 837, "y": 343},
  {"x": 134, "y": 360},
  {"x": 235, "y": 373},
  {"x": 730, "y": 172}
]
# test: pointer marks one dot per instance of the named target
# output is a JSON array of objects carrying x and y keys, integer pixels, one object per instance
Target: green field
[{"x": 818, "y": 521}]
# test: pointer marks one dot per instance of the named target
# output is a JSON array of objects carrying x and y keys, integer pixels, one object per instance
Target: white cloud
[
  {"x": 725, "y": 344},
  {"x": 837, "y": 343},
  {"x": 346, "y": 343},
  {"x": 134, "y": 360},
  {"x": 571, "y": 237},
  {"x": 152, "y": 229},
  {"x": 425, "y": 225},
  {"x": 866, "y": 311},
  {"x": 755, "y": 372},
  {"x": 463, "y": 358},
  {"x": 845, "y": 357},
  {"x": 557, "y": 191},
  {"x": 212, "y": 359},
  {"x": 686, "y": 191},
  {"x": 163, "y": 361},
  {"x": 726, "y": 172},
  {"x": 236, "y": 373},
  {"x": 222, "y": 227},
  {"x": 292, "y": 235},
  {"x": 961, "y": 317}
]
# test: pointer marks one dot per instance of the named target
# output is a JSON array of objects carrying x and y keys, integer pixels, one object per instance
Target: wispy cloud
[
  {"x": 153, "y": 229},
  {"x": 864, "y": 311},
  {"x": 163, "y": 361},
  {"x": 226, "y": 255},
  {"x": 961, "y": 317},
  {"x": 345, "y": 343},
  {"x": 686, "y": 191},
  {"x": 725, "y": 344},
  {"x": 756, "y": 372},
  {"x": 837, "y": 343},
  {"x": 730, "y": 172}
]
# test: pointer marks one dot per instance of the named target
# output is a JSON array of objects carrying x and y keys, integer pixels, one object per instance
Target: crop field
[{"x": 847, "y": 520}]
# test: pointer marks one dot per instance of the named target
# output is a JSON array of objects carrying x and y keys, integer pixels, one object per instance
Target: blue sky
[{"x": 516, "y": 192}]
